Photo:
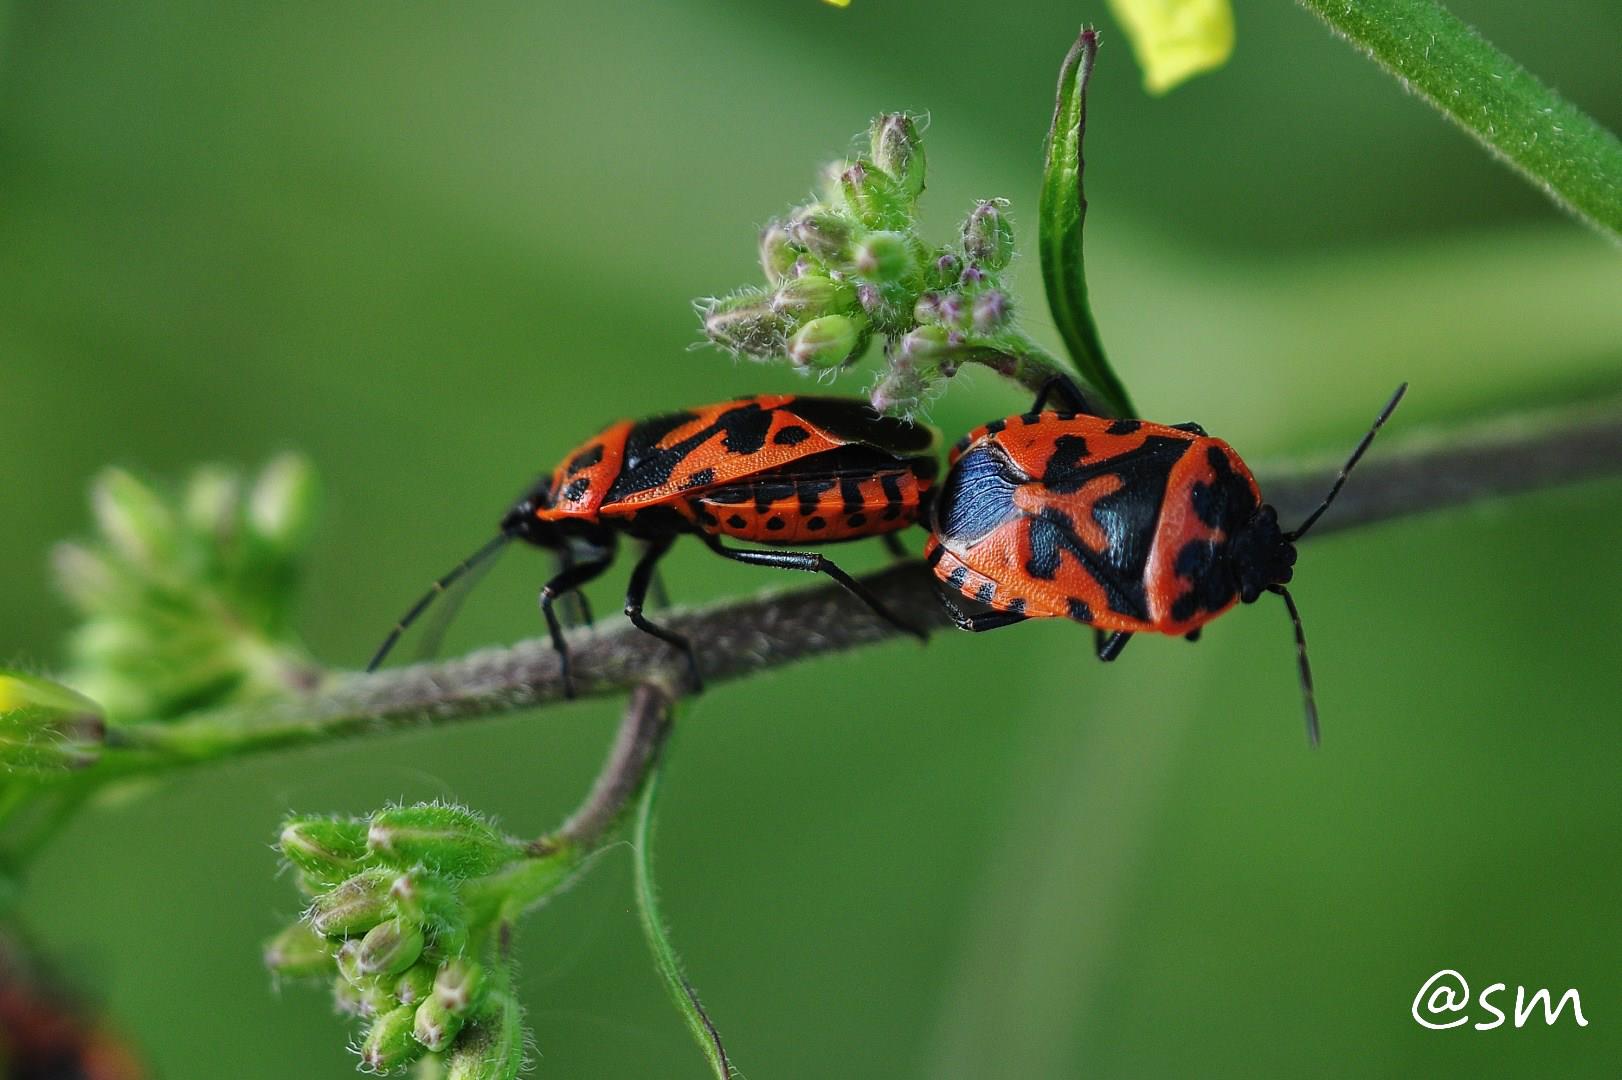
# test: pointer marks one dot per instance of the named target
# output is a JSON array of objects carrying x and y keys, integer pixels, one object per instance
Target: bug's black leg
[
  {"x": 636, "y": 594},
  {"x": 814, "y": 563},
  {"x": 1190, "y": 427},
  {"x": 576, "y": 608},
  {"x": 1069, "y": 395},
  {"x": 1109, "y": 646},
  {"x": 656, "y": 590},
  {"x": 893, "y": 544},
  {"x": 979, "y": 622},
  {"x": 1194, "y": 634},
  {"x": 566, "y": 581}
]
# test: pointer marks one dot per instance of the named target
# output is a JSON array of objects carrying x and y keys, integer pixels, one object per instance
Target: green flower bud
[
  {"x": 435, "y": 1026},
  {"x": 345, "y": 997},
  {"x": 745, "y": 325},
  {"x": 416, "y": 984},
  {"x": 355, "y": 906},
  {"x": 328, "y": 848},
  {"x": 213, "y": 495},
  {"x": 944, "y": 270},
  {"x": 884, "y": 256},
  {"x": 298, "y": 952},
  {"x": 777, "y": 254},
  {"x": 449, "y": 839},
  {"x": 132, "y": 517},
  {"x": 824, "y": 233},
  {"x": 812, "y": 295},
  {"x": 898, "y": 150},
  {"x": 428, "y": 900},
  {"x": 390, "y": 947},
  {"x": 828, "y": 342},
  {"x": 460, "y": 985},
  {"x": 348, "y": 960},
  {"x": 389, "y": 1043},
  {"x": 45, "y": 727},
  {"x": 492, "y": 1048},
  {"x": 874, "y": 198},
  {"x": 282, "y": 507},
  {"x": 988, "y": 235},
  {"x": 375, "y": 999}
]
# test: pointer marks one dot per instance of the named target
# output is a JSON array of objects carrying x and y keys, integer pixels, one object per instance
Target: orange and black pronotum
[
  {"x": 783, "y": 470},
  {"x": 1127, "y": 526}
]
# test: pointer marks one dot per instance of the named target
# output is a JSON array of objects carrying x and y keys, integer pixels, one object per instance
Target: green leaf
[
  {"x": 1063, "y": 209},
  {"x": 1576, "y": 162},
  {"x": 664, "y": 954}
]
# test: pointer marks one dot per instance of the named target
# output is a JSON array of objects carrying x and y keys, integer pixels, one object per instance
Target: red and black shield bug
[
  {"x": 774, "y": 469},
  {"x": 1128, "y": 526}
]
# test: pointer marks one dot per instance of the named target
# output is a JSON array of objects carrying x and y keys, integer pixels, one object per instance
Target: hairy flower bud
[
  {"x": 883, "y": 256},
  {"x": 327, "y": 848},
  {"x": 990, "y": 311},
  {"x": 415, "y": 984},
  {"x": 823, "y": 232},
  {"x": 492, "y": 1048},
  {"x": 429, "y": 901},
  {"x": 899, "y": 151},
  {"x": 777, "y": 254},
  {"x": 389, "y": 1044},
  {"x": 355, "y": 906},
  {"x": 435, "y": 1026},
  {"x": 460, "y": 985},
  {"x": 451, "y": 840},
  {"x": 812, "y": 295},
  {"x": 828, "y": 342},
  {"x": 874, "y": 198},
  {"x": 298, "y": 952},
  {"x": 348, "y": 960},
  {"x": 745, "y": 324},
  {"x": 988, "y": 235},
  {"x": 138, "y": 524},
  {"x": 390, "y": 947},
  {"x": 282, "y": 506},
  {"x": 945, "y": 270},
  {"x": 45, "y": 727},
  {"x": 346, "y": 997}
]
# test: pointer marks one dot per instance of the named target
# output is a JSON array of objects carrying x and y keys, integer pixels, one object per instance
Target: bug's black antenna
[
  {"x": 1345, "y": 470},
  {"x": 1308, "y": 698},
  {"x": 433, "y": 593}
]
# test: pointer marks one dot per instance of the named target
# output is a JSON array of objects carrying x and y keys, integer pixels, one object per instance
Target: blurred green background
[{"x": 435, "y": 248}]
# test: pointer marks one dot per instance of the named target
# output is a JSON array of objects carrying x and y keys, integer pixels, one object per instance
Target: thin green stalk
[
  {"x": 1063, "y": 212},
  {"x": 664, "y": 953},
  {"x": 1554, "y": 144}
]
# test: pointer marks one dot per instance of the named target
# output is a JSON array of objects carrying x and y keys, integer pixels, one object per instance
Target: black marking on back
[
  {"x": 647, "y": 465},
  {"x": 577, "y": 489},
  {"x": 585, "y": 459},
  {"x": 791, "y": 435},
  {"x": 891, "y": 483},
  {"x": 1052, "y": 533},
  {"x": 1069, "y": 452},
  {"x": 701, "y": 478},
  {"x": 1078, "y": 610},
  {"x": 856, "y": 422},
  {"x": 958, "y": 576},
  {"x": 986, "y": 592},
  {"x": 1123, "y": 427},
  {"x": 1228, "y": 504}
]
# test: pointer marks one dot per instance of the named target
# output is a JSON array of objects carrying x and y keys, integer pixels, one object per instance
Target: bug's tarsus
[
  {"x": 490, "y": 548},
  {"x": 1345, "y": 470},
  {"x": 976, "y": 622},
  {"x": 1109, "y": 646},
  {"x": 1309, "y": 699}
]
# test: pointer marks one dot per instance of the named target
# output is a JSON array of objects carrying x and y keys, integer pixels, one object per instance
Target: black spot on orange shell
[
  {"x": 1123, "y": 427},
  {"x": 985, "y": 592},
  {"x": 814, "y": 523},
  {"x": 958, "y": 575},
  {"x": 576, "y": 489},
  {"x": 737, "y": 521},
  {"x": 699, "y": 479},
  {"x": 1078, "y": 610},
  {"x": 791, "y": 435},
  {"x": 774, "y": 523},
  {"x": 856, "y": 521},
  {"x": 585, "y": 459}
]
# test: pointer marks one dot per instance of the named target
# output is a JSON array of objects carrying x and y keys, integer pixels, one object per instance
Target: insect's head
[
  {"x": 523, "y": 522},
  {"x": 1263, "y": 555}
]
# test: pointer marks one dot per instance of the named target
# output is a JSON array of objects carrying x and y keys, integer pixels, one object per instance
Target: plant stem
[
  {"x": 1554, "y": 144},
  {"x": 745, "y": 637}
]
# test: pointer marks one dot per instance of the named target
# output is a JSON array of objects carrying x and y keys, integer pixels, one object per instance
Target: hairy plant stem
[
  {"x": 745, "y": 637},
  {"x": 1554, "y": 144}
]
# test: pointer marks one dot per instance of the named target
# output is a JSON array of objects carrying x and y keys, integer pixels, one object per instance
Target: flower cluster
[
  {"x": 406, "y": 919},
  {"x": 850, "y": 266},
  {"x": 185, "y": 598}
]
